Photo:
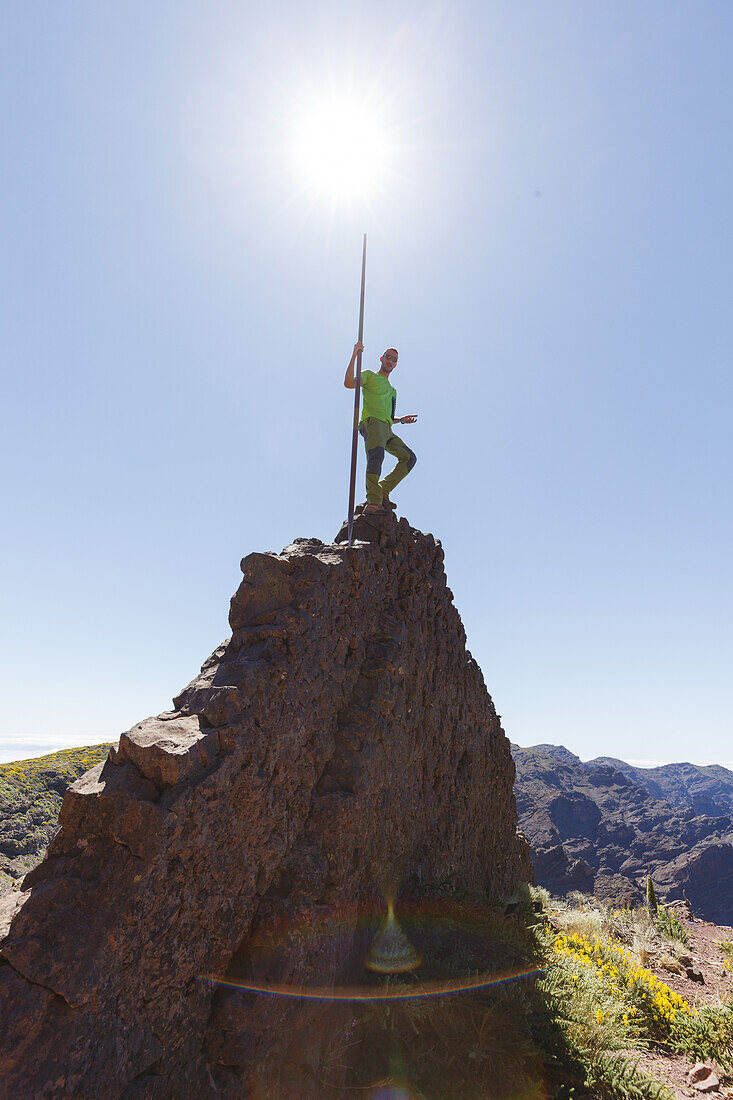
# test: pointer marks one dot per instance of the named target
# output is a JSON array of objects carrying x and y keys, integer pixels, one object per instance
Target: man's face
[{"x": 389, "y": 360}]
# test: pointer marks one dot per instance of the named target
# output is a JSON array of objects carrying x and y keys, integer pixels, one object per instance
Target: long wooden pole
[{"x": 357, "y": 396}]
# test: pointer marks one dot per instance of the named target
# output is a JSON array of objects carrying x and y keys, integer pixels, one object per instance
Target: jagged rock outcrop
[
  {"x": 593, "y": 828},
  {"x": 340, "y": 744}
]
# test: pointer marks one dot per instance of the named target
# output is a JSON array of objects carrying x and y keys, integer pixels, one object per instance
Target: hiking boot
[
  {"x": 387, "y": 503},
  {"x": 371, "y": 509}
]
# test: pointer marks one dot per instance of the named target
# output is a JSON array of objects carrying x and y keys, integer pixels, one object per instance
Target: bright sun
[{"x": 342, "y": 150}]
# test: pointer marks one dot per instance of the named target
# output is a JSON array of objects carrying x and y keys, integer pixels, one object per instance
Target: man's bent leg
[
  {"x": 406, "y": 460},
  {"x": 375, "y": 433}
]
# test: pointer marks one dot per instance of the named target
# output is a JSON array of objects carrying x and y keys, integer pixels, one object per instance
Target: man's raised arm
[{"x": 349, "y": 380}]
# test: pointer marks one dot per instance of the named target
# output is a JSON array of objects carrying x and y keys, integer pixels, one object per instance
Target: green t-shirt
[{"x": 380, "y": 396}]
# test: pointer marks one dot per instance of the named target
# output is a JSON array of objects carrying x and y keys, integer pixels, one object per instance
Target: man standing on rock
[{"x": 377, "y": 418}]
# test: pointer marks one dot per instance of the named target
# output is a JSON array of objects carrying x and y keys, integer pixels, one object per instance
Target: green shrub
[
  {"x": 616, "y": 1076},
  {"x": 709, "y": 1034},
  {"x": 670, "y": 926}
]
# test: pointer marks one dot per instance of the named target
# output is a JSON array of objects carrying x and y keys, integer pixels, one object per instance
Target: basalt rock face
[{"x": 340, "y": 746}]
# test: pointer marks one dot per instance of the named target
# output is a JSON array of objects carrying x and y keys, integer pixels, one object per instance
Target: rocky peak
[
  {"x": 558, "y": 752},
  {"x": 338, "y": 748}
]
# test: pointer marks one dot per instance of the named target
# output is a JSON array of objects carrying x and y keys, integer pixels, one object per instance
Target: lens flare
[
  {"x": 392, "y": 952},
  {"x": 433, "y": 919},
  {"x": 391, "y": 1091},
  {"x": 378, "y": 993}
]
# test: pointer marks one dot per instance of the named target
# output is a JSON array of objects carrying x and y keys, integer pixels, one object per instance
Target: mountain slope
[
  {"x": 593, "y": 828},
  {"x": 31, "y": 792},
  {"x": 707, "y": 788}
]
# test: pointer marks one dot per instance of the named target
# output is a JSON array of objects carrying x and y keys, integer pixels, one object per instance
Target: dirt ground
[{"x": 703, "y": 948}]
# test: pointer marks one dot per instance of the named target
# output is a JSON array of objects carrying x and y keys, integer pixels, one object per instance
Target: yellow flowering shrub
[
  {"x": 651, "y": 1010},
  {"x": 726, "y": 947}
]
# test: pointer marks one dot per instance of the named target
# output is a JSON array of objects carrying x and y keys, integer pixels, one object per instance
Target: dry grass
[{"x": 668, "y": 962}]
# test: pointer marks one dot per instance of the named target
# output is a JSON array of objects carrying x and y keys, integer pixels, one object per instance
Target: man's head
[{"x": 389, "y": 360}]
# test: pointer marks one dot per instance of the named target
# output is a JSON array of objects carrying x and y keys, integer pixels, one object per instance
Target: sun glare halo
[{"x": 342, "y": 150}]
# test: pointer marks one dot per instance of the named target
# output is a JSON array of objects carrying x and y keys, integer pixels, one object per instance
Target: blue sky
[{"x": 549, "y": 250}]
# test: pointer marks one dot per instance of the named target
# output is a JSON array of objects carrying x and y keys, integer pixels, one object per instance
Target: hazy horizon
[{"x": 46, "y": 747}]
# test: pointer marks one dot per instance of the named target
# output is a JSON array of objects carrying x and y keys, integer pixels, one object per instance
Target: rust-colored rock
[{"x": 341, "y": 745}]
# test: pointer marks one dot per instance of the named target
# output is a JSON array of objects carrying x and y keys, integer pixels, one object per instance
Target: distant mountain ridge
[
  {"x": 707, "y": 788},
  {"x": 601, "y": 827}
]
